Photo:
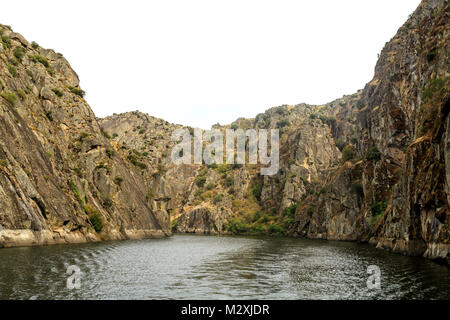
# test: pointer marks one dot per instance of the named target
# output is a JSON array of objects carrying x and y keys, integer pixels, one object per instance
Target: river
[{"x": 216, "y": 267}]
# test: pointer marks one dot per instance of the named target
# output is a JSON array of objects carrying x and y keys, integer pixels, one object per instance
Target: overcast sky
[{"x": 199, "y": 62}]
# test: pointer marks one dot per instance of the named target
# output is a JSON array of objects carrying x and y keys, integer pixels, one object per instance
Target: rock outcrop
[
  {"x": 394, "y": 190},
  {"x": 373, "y": 166},
  {"x": 60, "y": 179}
]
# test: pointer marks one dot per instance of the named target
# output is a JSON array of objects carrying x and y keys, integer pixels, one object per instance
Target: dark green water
[{"x": 200, "y": 267}]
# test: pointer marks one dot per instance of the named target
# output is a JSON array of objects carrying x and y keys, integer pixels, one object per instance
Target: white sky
[{"x": 200, "y": 62}]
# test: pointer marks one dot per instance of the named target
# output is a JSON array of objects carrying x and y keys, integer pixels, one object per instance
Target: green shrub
[
  {"x": 6, "y": 41},
  {"x": 9, "y": 96},
  {"x": 210, "y": 186},
  {"x": 229, "y": 182},
  {"x": 134, "y": 160},
  {"x": 258, "y": 229},
  {"x": 200, "y": 181},
  {"x": 283, "y": 123},
  {"x": 13, "y": 61},
  {"x": 212, "y": 166},
  {"x": 118, "y": 180},
  {"x": 174, "y": 225},
  {"x": 34, "y": 44},
  {"x": 256, "y": 191},
  {"x": 83, "y": 135},
  {"x": 76, "y": 192},
  {"x": 328, "y": 120},
  {"x": 107, "y": 202},
  {"x": 40, "y": 59},
  {"x": 97, "y": 221},
  {"x": 373, "y": 154},
  {"x": 432, "y": 87},
  {"x": 348, "y": 153},
  {"x": 58, "y": 92},
  {"x": 223, "y": 168},
  {"x": 280, "y": 110},
  {"x": 256, "y": 216},
  {"x": 340, "y": 144},
  {"x": 19, "y": 52},
  {"x": 378, "y": 208},
  {"x": 276, "y": 229},
  {"x": 218, "y": 198},
  {"x": 12, "y": 70},
  {"x": 290, "y": 211},
  {"x": 78, "y": 171},
  {"x": 77, "y": 91},
  {"x": 22, "y": 94},
  {"x": 236, "y": 227}
]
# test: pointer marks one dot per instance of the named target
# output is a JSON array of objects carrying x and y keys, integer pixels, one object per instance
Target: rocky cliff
[
  {"x": 393, "y": 190},
  {"x": 60, "y": 178},
  {"x": 373, "y": 166}
]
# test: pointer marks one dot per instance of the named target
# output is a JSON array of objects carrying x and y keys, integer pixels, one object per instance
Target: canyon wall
[
  {"x": 60, "y": 179},
  {"x": 373, "y": 166}
]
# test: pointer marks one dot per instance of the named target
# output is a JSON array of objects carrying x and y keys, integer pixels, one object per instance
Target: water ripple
[{"x": 198, "y": 267}]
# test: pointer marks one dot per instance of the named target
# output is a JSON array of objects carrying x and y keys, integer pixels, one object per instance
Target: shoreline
[
  {"x": 29, "y": 238},
  {"x": 436, "y": 252}
]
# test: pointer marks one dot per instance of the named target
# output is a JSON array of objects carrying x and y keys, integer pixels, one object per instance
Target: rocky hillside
[
  {"x": 60, "y": 178},
  {"x": 229, "y": 198},
  {"x": 394, "y": 189},
  {"x": 372, "y": 166}
]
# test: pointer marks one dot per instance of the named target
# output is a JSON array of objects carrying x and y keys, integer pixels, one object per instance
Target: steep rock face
[
  {"x": 399, "y": 188},
  {"x": 208, "y": 199},
  {"x": 57, "y": 170},
  {"x": 373, "y": 166},
  {"x": 145, "y": 144},
  {"x": 204, "y": 219},
  {"x": 418, "y": 220}
]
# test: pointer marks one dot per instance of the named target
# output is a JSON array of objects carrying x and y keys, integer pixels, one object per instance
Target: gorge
[{"x": 372, "y": 167}]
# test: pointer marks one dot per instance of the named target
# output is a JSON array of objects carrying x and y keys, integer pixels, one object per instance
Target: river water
[{"x": 209, "y": 267}]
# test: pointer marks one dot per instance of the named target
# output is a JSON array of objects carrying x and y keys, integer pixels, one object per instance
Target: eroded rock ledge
[{"x": 26, "y": 237}]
